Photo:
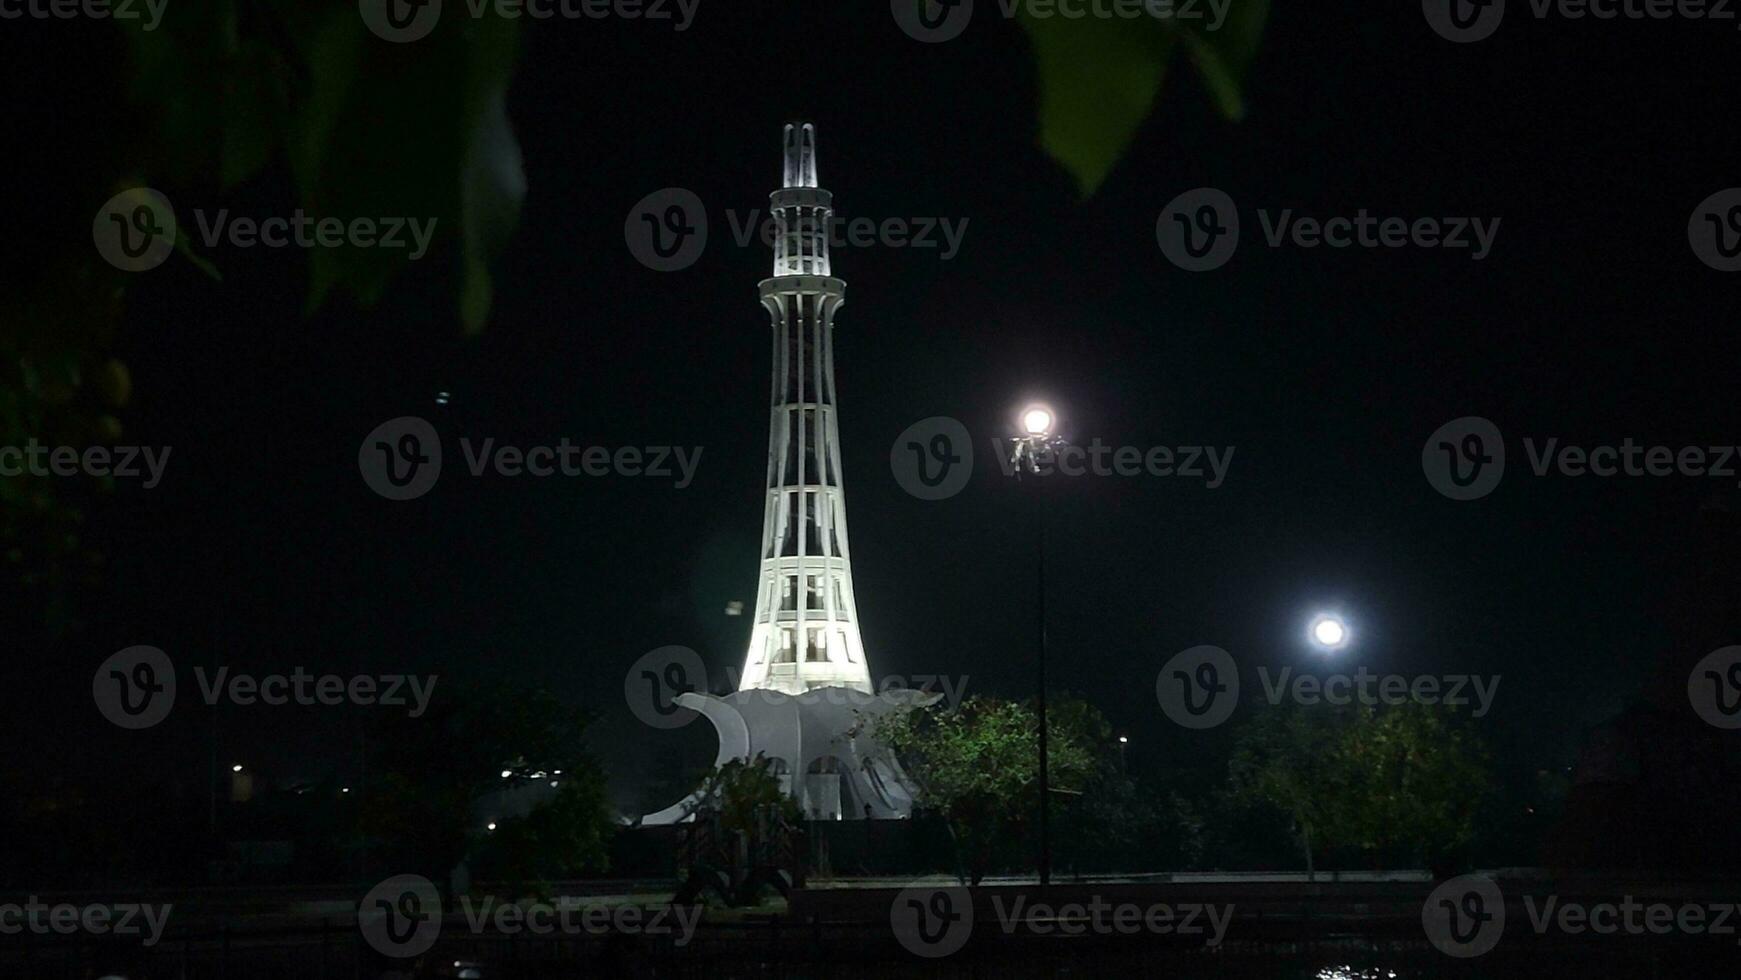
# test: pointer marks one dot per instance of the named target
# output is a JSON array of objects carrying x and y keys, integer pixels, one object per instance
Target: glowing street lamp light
[
  {"x": 1037, "y": 420},
  {"x": 1329, "y": 632}
]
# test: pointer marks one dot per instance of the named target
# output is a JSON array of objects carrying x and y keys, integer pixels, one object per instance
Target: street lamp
[
  {"x": 1035, "y": 440},
  {"x": 1122, "y": 742}
]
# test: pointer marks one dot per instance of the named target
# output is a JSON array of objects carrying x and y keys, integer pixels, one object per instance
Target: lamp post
[
  {"x": 1122, "y": 742},
  {"x": 1035, "y": 439}
]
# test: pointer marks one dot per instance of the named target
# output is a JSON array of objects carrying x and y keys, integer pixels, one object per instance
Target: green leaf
[
  {"x": 1223, "y": 55},
  {"x": 1099, "y": 77}
]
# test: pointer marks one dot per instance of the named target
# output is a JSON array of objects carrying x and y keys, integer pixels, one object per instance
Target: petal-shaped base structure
[{"x": 822, "y": 746}]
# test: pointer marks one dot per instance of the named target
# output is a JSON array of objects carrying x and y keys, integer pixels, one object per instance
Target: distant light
[
  {"x": 1122, "y": 740},
  {"x": 492, "y": 825},
  {"x": 507, "y": 773},
  {"x": 734, "y": 607},
  {"x": 1037, "y": 420},
  {"x": 554, "y": 783},
  {"x": 1329, "y": 632},
  {"x": 441, "y": 397},
  {"x": 347, "y": 789},
  {"x": 236, "y": 768},
  {"x": 556, "y": 771}
]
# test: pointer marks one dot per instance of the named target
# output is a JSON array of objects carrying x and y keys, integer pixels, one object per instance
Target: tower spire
[{"x": 800, "y": 143}]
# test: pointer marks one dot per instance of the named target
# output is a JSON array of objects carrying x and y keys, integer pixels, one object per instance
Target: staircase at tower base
[{"x": 823, "y": 747}]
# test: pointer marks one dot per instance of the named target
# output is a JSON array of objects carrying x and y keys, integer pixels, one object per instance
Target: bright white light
[
  {"x": 347, "y": 789},
  {"x": 1329, "y": 632},
  {"x": 506, "y": 773},
  {"x": 1037, "y": 420},
  {"x": 236, "y": 768},
  {"x": 492, "y": 825},
  {"x": 1122, "y": 740}
]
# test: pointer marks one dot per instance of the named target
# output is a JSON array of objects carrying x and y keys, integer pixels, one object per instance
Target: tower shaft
[{"x": 805, "y": 633}]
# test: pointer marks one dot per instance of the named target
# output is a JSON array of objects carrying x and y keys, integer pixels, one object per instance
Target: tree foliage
[
  {"x": 1394, "y": 782},
  {"x": 432, "y": 772},
  {"x": 977, "y": 764}
]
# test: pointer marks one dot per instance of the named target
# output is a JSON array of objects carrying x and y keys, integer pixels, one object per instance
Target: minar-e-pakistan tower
[{"x": 806, "y": 695}]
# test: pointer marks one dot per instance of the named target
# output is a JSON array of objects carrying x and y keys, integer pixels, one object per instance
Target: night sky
[{"x": 1591, "y": 321}]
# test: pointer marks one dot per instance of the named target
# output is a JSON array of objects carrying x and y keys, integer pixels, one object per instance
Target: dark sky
[{"x": 1592, "y": 321}]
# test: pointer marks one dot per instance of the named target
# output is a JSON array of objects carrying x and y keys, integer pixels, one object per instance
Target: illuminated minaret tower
[{"x": 805, "y": 633}]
